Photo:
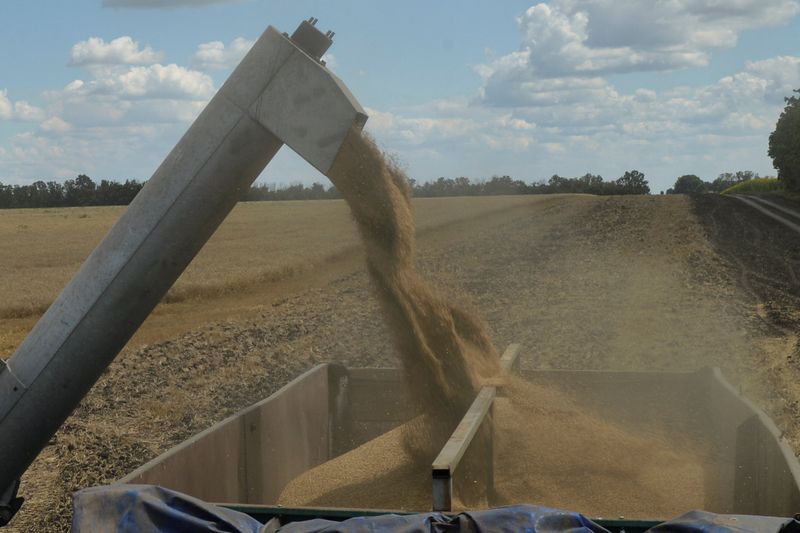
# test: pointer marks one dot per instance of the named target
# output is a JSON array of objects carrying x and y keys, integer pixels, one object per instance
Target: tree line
[
  {"x": 83, "y": 191},
  {"x": 632, "y": 182},
  {"x": 691, "y": 184}
]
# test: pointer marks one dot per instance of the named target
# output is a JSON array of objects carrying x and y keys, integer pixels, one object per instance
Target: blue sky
[{"x": 453, "y": 88}]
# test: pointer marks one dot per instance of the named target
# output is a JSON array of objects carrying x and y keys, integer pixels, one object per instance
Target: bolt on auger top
[{"x": 281, "y": 93}]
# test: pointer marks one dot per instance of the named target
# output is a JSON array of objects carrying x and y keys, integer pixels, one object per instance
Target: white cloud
[
  {"x": 27, "y": 112},
  {"x": 164, "y": 4},
  {"x": 20, "y": 110},
  {"x": 557, "y": 80},
  {"x": 159, "y": 81},
  {"x": 6, "y": 108},
  {"x": 55, "y": 124},
  {"x": 117, "y": 153},
  {"x": 165, "y": 82},
  {"x": 453, "y": 126},
  {"x": 155, "y": 94},
  {"x": 215, "y": 55},
  {"x": 120, "y": 117},
  {"x": 419, "y": 130},
  {"x": 781, "y": 75},
  {"x": 120, "y": 51},
  {"x": 574, "y": 125},
  {"x": 555, "y": 148},
  {"x": 568, "y": 39}
]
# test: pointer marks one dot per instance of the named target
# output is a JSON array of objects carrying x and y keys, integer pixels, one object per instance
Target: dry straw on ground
[{"x": 260, "y": 245}]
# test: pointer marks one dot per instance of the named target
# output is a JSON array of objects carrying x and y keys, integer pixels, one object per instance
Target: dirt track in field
[{"x": 583, "y": 282}]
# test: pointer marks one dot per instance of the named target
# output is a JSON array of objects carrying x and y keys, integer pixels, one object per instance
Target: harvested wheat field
[
  {"x": 260, "y": 245},
  {"x": 582, "y": 282}
]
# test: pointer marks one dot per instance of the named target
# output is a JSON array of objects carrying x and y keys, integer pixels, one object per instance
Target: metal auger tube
[{"x": 280, "y": 93}]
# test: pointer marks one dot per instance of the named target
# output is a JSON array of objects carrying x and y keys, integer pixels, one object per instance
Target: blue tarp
[{"x": 151, "y": 509}]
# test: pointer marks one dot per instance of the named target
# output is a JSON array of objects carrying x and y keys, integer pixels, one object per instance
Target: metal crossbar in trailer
[
  {"x": 449, "y": 458},
  {"x": 445, "y": 464}
]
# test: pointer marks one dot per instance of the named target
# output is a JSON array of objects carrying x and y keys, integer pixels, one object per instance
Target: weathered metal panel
[
  {"x": 340, "y": 422},
  {"x": 653, "y": 402},
  {"x": 765, "y": 473},
  {"x": 703, "y": 406},
  {"x": 311, "y": 112},
  {"x": 764, "y": 483},
  {"x": 379, "y": 402},
  {"x": 287, "y": 435},
  {"x": 758, "y": 469},
  {"x": 727, "y": 410},
  {"x": 209, "y": 465},
  {"x": 331, "y": 409},
  {"x": 250, "y": 456}
]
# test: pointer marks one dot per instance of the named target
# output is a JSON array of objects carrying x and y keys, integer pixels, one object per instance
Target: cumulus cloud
[
  {"x": 155, "y": 81},
  {"x": 164, "y": 4},
  {"x": 123, "y": 80},
  {"x": 568, "y": 39},
  {"x": 455, "y": 125},
  {"x": 120, "y": 51},
  {"x": 773, "y": 78},
  {"x": 55, "y": 124},
  {"x": 6, "y": 108},
  {"x": 123, "y": 114},
  {"x": 20, "y": 110},
  {"x": 27, "y": 112},
  {"x": 573, "y": 125},
  {"x": 215, "y": 55},
  {"x": 135, "y": 95},
  {"x": 124, "y": 152}
]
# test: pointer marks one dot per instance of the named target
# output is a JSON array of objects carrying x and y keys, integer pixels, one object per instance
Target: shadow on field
[{"x": 762, "y": 255}]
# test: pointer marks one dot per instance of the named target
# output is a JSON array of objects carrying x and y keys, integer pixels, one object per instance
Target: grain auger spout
[{"x": 281, "y": 93}]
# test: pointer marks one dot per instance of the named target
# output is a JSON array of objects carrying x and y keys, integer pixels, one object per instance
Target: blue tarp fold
[{"x": 152, "y": 509}]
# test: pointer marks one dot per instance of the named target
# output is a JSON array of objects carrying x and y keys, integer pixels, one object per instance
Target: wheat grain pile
[{"x": 548, "y": 450}]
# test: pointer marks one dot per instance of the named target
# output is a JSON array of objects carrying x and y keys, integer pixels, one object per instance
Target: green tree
[
  {"x": 729, "y": 179},
  {"x": 784, "y": 144},
  {"x": 688, "y": 184},
  {"x": 591, "y": 183},
  {"x": 6, "y": 196},
  {"x": 80, "y": 191},
  {"x": 503, "y": 185},
  {"x": 633, "y": 182}
]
